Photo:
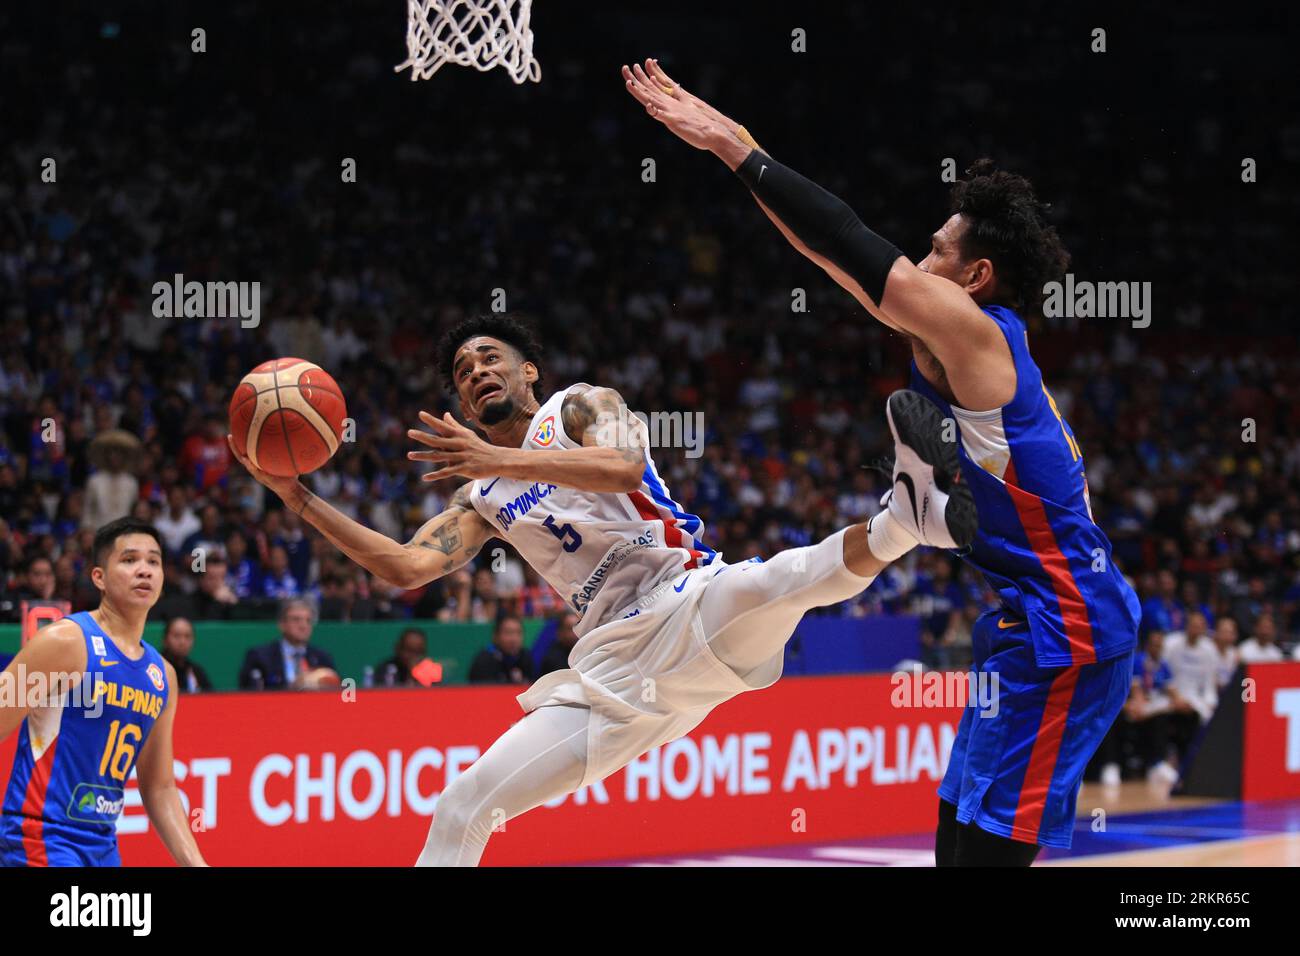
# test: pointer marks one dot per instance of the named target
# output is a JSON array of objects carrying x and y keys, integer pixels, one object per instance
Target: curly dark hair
[
  {"x": 510, "y": 330},
  {"x": 1009, "y": 226}
]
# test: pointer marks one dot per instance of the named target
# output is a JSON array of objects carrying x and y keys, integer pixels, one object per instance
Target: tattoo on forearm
[{"x": 446, "y": 537}]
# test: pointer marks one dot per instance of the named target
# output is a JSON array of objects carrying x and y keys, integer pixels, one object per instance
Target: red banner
[
  {"x": 313, "y": 779},
  {"x": 1271, "y": 765}
]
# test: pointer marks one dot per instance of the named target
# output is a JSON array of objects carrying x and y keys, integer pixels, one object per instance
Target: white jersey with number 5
[{"x": 600, "y": 550}]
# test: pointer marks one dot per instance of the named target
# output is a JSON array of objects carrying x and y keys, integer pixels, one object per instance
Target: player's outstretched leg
[
  {"x": 750, "y": 612},
  {"x": 542, "y": 757}
]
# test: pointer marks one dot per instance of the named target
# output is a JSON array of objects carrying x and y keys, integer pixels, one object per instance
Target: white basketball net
[{"x": 477, "y": 33}]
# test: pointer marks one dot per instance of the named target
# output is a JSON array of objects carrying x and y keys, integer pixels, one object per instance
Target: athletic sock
[{"x": 887, "y": 539}]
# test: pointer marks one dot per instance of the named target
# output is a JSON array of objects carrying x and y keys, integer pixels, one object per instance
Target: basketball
[{"x": 287, "y": 416}]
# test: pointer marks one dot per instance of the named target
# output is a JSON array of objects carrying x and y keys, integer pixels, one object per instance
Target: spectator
[
  {"x": 457, "y": 595},
  {"x": 72, "y": 586},
  {"x": 504, "y": 661},
  {"x": 111, "y": 491},
  {"x": 510, "y": 582},
  {"x": 1225, "y": 642},
  {"x": 557, "y": 655},
  {"x": 178, "y": 521},
  {"x": 1252, "y": 604},
  {"x": 412, "y": 647},
  {"x": 297, "y": 546},
  {"x": 1261, "y": 647},
  {"x": 241, "y": 570},
  {"x": 205, "y": 456},
  {"x": 1161, "y": 611},
  {"x": 214, "y": 597},
  {"x": 938, "y": 600},
  {"x": 207, "y": 537},
  {"x": 486, "y": 603},
  {"x": 177, "y": 645},
  {"x": 291, "y": 662},
  {"x": 1148, "y": 719},
  {"x": 339, "y": 600},
  {"x": 41, "y": 583},
  {"x": 277, "y": 582},
  {"x": 1194, "y": 663},
  {"x": 37, "y": 583}
]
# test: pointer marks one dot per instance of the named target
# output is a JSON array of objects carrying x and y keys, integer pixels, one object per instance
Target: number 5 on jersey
[{"x": 570, "y": 540}]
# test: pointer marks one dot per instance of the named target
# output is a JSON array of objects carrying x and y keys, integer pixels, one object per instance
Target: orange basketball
[{"x": 287, "y": 417}]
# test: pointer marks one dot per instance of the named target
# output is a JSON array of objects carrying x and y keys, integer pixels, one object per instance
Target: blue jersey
[
  {"x": 1037, "y": 544},
  {"x": 76, "y": 754}
]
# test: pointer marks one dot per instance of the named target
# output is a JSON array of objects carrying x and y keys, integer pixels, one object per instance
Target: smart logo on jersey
[
  {"x": 545, "y": 433},
  {"x": 96, "y": 803},
  {"x": 156, "y": 676}
]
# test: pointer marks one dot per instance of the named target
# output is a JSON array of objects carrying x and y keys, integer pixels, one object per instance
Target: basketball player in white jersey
[{"x": 668, "y": 630}]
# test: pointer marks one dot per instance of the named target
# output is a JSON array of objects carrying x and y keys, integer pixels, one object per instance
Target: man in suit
[{"x": 290, "y": 663}]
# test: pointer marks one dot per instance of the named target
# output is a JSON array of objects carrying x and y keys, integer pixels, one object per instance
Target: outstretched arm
[
  {"x": 612, "y": 458},
  {"x": 445, "y": 542},
  {"x": 935, "y": 310}
]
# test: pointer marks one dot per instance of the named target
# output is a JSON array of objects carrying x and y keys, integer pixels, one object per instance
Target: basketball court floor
[{"x": 1135, "y": 824}]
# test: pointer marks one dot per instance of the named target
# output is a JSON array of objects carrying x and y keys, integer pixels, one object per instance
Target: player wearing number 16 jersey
[{"x": 93, "y": 702}]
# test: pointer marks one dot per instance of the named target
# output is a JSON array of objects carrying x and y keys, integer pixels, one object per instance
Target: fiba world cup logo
[{"x": 545, "y": 433}]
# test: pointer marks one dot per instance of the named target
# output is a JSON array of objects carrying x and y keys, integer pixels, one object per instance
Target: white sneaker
[
  {"x": 1110, "y": 775},
  {"x": 928, "y": 497}
]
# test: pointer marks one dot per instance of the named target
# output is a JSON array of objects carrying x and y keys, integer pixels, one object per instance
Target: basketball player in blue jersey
[
  {"x": 1062, "y": 643},
  {"x": 92, "y": 702},
  {"x": 668, "y": 630}
]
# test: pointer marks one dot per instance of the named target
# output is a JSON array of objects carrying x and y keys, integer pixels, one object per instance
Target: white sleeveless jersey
[{"x": 600, "y": 550}]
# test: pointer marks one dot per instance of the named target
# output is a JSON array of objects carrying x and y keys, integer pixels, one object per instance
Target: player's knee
[{"x": 458, "y": 808}]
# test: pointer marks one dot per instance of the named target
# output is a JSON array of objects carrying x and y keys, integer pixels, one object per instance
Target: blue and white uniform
[{"x": 652, "y": 596}]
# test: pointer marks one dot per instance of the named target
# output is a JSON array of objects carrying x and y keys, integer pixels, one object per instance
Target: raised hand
[
  {"x": 281, "y": 486},
  {"x": 687, "y": 119},
  {"x": 458, "y": 449},
  {"x": 678, "y": 92}
]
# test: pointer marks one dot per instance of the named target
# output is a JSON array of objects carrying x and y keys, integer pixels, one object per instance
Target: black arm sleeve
[{"x": 822, "y": 222}]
